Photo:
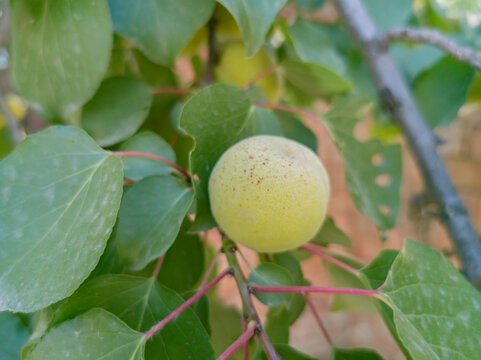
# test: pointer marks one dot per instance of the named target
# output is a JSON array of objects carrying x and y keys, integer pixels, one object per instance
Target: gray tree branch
[
  {"x": 433, "y": 37},
  {"x": 398, "y": 101}
]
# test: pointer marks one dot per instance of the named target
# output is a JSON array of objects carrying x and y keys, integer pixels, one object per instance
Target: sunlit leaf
[{"x": 59, "y": 198}]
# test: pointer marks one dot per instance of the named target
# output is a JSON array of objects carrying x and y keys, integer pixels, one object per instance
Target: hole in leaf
[
  {"x": 377, "y": 159},
  {"x": 383, "y": 180},
  {"x": 385, "y": 210}
]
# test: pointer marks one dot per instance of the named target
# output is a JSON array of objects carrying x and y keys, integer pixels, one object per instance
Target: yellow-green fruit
[
  {"x": 235, "y": 69},
  {"x": 269, "y": 193}
]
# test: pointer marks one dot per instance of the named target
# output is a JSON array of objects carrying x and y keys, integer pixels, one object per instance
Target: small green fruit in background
[
  {"x": 269, "y": 193},
  {"x": 235, "y": 69}
]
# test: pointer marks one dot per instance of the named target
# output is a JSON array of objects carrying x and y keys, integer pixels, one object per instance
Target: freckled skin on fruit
[{"x": 269, "y": 193}]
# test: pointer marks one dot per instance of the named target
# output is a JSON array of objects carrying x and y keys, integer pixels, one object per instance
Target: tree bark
[{"x": 398, "y": 101}]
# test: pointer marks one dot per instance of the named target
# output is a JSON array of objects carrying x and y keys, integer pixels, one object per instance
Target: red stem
[
  {"x": 288, "y": 109},
  {"x": 170, "y": 91},
  {"x": 209, "y": 270},
  {"x": 318, "y": 319},
  {"x": 245, "y": 348},
  {"x": 155, "y": 157},
  {"x": 312, "y": 289},
  {"x": 157, "y": 327},
  {"x": 317, "y": 250},
  {"x": 260, "y": 77},
  {"x": 157, "y": 266},
  {"x": 241, "y": 341}
]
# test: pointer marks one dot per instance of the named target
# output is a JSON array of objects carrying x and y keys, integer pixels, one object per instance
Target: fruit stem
[
  {"x": 318, "y": 319},
  {"x": 289, "y": 109},
  {"x": 155, "y": 157},
  {"x": 311, "y": 289},
  {"x": 319, "y": 251},
  {"x": 245, "y": 347},
  {"x": 260, "y": 77},
  {"x": 157, "y": 327},
  {"x": 230, "y": 250},
  {"x": 241, "y": 341}
]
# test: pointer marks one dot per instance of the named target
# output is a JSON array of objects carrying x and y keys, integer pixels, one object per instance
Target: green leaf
[
  {"x": 13, "y": 335},
  {"x": 436, "y": 311},
  {"x": 287, "y": 353},
  {"x": 298, "y": 302},
  {"x": 373, "y": 170},
  {"x": 96, "y": 334},
  {"x": 254, "y": 18},
  {"x": 375, "y": 275},
  {"x": 160, "y": 29},
  {"x": 261, "y": 122},
  {"x": 294, "y": 129},
  {"x": 314, "y": 80},
  {"x": 201, "y": 308},
  {"x": 60, "y": 52},
  {"x": 377, "y": 271},
  {"x": 354, "y": 354},
  {"x": 342, "y": 278},
  {"x": 225, "y": 323},
  {"x": 321, "y": 70},
  {"x": 109, "y": 262},
  {"x": 141, "y": 303},
  {"x": 329, "y": 233},
  {"x": 117, "y": 110},
  {"x": 215, "y": 117},
  {"x": 385, "y": 15},
  {"x": 312, "y": 44},
  {"x": 59, "y": 198},
  {"x": 269, "y": 274},
  {"x": 137, "y": 168},
  {"x": 150, "y": 217},
  {"x": 441, "y": 90},
  {"x": 183, "y": 263},
  {"x": 277, "y": 324}
]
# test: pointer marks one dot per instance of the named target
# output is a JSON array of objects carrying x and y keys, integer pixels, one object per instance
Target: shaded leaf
[
  {"x": 254, "y": 18},
  {"x": 329, "y": 233},
  {"x": 150, "y": 216},
  {"x": 261, "y": 122},
  {"x": 117, "y": 110},
  {"x": 13, "y": 335},
  {"x": 313, "y": 79},
  {"x": 215, "y": 117},
  {"x": 59, "y": 198},
  {"x": 373, "y": 170},
  {"x": 441, "y": 90},
  {"x": 60, "y": 52},
  {"x": 137, "y": 168},
  {"x": 436, "y": 311},
  {"x": 375, "y": 274},
  {"x": 183, "y": 263},
  {"x": 312, "y": 44},
  {"x": 385, "y": 15},
  {"x": 269, "y": 274},
  {"x": 294, "y": 129},
  {"x": 277, "y": 324},
  {"x": 354, "y": 354},
  {"x": 141, "y": 303},
  {"x": 342, "y": 278},
  {"x": 287, "y": 353},
  {"x": 160, "y": 29}
]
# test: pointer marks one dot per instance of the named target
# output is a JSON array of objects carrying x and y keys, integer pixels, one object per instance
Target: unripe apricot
[
  {"x": 269, "y": 193},
  {"x": 236, "y": 69}
]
